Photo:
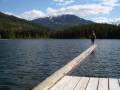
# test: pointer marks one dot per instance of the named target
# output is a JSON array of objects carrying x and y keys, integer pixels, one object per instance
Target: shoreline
[{"x": 61, "y": 39}]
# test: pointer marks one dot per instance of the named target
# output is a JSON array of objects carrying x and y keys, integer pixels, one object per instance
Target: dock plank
[
  {"x": 72, "y": 83},
  {"x": 103, "y": 84},
  {"x": 119, "y": 81},
  {"x": 82, "y": 84},
  {"x": 93, "y": 83},
  {"x": 61, "y": 83},
  {"x": 86, "y": 83},
  {"x": 114, "y": 84}
]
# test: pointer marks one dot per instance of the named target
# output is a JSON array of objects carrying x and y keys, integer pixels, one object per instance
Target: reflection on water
[{"x": 25, "y": 63}]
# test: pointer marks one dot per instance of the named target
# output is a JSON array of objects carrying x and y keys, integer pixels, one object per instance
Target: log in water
[{"x": 54, "y": 78}]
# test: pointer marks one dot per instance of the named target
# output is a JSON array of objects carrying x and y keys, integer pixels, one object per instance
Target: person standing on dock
[{"x": 93, "y": 37}]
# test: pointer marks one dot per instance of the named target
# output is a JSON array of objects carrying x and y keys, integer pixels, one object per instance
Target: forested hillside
[
  {"x": 13, "y": 27},
  {"x": 84, "y": 31}
]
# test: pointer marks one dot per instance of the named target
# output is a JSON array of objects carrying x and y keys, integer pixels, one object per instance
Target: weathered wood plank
[
  {"x": 86, "y": 83},
  {"x": 119, "y": 81},
  {"x": 82, "y": 84},
  {"x": 93, "y": 83},
  {"x": 114, "y": 84},
  {"x": 62, "y": 83},
  {"x": 72, "y": 83},
  {"x": 103, "y": 84},
  {"x": 54, "y": 78}
]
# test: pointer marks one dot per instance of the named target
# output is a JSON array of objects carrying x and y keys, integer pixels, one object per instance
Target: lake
[{"x": 25, "y": 63}]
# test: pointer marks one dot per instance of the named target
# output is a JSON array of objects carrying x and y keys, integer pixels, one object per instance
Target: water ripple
[{"x": 25, "y": 63}]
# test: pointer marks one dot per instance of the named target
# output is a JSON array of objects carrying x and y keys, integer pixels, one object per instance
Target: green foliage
[
  {"x": 84, "y": 31},
  {"x": 12, "y": 27}
]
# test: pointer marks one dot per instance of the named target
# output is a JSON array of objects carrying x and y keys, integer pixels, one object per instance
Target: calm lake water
[{"x": 25, "y": 63}]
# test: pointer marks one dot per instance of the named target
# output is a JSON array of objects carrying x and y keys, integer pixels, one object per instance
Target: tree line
[
  {"x": 16, "y": 30},
  {"x": 107, "y": 31},
  {"x": 12, "y": 27}
]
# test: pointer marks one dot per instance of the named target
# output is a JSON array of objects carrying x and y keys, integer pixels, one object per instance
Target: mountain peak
[{"x": 61, "y": 21}]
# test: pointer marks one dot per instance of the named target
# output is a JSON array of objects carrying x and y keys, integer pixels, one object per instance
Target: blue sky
[{"x": 96, "y": 10}]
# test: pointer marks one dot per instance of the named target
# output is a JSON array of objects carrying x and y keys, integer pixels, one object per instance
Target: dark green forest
[
  {"x": 14, "y": 28},
  {"x": 107, "y": 31}
]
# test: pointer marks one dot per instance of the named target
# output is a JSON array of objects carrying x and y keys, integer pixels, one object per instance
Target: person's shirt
[{"x": 93, "y": 36}]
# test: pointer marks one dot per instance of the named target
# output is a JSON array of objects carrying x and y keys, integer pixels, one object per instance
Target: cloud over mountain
[
  {"x": 86, "y": 9},
  {"x": 33, "y": 14}
]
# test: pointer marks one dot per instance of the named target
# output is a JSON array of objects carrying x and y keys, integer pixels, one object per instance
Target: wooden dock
[
  {"x": 61, "y": 81},
  {"x": 86, "y": 83}
]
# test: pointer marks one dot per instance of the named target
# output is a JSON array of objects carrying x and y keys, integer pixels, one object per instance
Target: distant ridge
[
  {"x": 14, "y": 27},
  {"x": 62, "y": 21}
]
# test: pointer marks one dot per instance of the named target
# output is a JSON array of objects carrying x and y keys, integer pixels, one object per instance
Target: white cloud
[
  {"x": 103, "y": 7},
  {"x": 80, "y": 10},
  {"x": 63, "y": 2},
  {"x": 33, "y": 14},
  {"x": 102, "y": 20},
  {"x": 115, "y": 20},
  {"x": 110, "y": 2},
  {"x": 9, "y": 13}
]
